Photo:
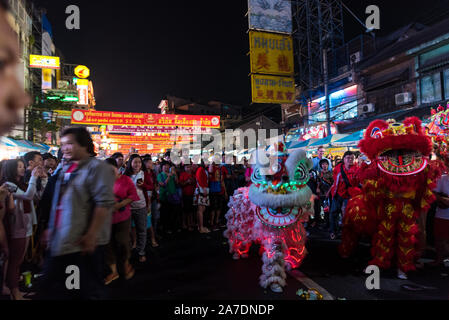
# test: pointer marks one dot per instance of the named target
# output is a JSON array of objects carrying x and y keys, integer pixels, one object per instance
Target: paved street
[{"x": 190, "y": 266}]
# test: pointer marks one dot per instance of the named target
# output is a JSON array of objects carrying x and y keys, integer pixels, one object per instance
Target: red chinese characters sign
[{"x": 143, "y": 119}]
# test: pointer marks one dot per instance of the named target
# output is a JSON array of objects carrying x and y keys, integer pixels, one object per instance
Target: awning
[
  {"x": 350, "y": 140},
  {"x": 328, "y": 140},
  {"x": 301, "y": 144}
]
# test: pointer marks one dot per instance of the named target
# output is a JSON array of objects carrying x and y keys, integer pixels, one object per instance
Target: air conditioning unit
[
  {"x": 403, "y": 98},
  {"x": 365, "y": 108},
  {"x": 354, "y": 57}
]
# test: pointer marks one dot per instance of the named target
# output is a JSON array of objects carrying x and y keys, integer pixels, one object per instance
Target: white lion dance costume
[{"x": 272, "y": 212}]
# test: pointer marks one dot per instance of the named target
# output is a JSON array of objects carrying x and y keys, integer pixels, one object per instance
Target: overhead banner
[
  {"x": 44, "y": 62},
  {"x": 271, "y": 53},
  {"x": 270, "y": 15},
  {"x": 272, "y": 89},
  {"x": 143, "y": 119},
  {"x": 148, "y": 129}
]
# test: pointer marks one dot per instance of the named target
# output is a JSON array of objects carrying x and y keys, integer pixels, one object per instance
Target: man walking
[{"x": 80, "y": 221}]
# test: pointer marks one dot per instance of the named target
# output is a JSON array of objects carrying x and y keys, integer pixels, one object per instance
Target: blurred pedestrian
[{"x": 80, "y": 219}]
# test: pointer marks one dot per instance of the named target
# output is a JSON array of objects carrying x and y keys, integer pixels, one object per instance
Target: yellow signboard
[
  {"x": 44, "y": 62},
  {"x": 82, "y": 72},
  {"x": 271, "y": 53},
  {"x": 272, "y": 89}
]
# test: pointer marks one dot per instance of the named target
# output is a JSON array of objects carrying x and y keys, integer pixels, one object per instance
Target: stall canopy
[
  {"x": 301, "y": 144},
  {"x": 329, "y": 140},
  {"x": 350, "y": 140}
]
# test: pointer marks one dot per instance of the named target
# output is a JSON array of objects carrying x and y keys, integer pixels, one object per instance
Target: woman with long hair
[
  {"x": 139, "y": 209},
  {"x": 19, "y": 222},
  {"x": 118, "y": 249}
]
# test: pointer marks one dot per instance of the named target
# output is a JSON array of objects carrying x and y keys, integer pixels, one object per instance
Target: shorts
[
  {"x": 441, "y": 229},
  {"x": 199, "y": 199},
  {"x": 216, "y": 201}
]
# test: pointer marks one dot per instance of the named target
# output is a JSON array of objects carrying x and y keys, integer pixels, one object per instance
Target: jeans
[
  {"x": 338, "y": 206},
  {"x": 139, "y": 217},
  {"x": 91, "y": 285}
]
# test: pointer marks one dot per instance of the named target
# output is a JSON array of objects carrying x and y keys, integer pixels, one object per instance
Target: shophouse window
[
  {"x": 446, "y": 83},
  {"x": 431, "y": 88}
]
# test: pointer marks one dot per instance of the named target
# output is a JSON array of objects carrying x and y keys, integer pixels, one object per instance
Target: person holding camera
[
  {"x": 118, "y": 250},
  {"x": 168, "y": 196},
  {"x": 19, "y": 221},
  {"x": 139, "y": 207}
]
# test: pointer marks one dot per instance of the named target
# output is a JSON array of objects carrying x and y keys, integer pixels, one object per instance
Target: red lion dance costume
[{"x": 397, "y": 189}]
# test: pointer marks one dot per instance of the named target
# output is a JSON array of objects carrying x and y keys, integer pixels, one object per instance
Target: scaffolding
[{"x": 319, "y": 27}]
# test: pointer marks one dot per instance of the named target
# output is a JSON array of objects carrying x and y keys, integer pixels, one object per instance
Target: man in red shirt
[
  {"x": 188, "y": 183},
  {"x": 345, "y": 177}
]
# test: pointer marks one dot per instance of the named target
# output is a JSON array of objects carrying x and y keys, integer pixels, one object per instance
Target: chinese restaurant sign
[
  {"x": 271, "y": 53},
  {"x": 143, "y": 119},
  {"x": 272, "y": 89}
]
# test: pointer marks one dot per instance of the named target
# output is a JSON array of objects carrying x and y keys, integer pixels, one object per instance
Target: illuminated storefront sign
[
  {"x": 44, "y": 62},
  {"x": 143, "y": 119},
  {"x": 83, "y": 92},
  {"x": 342, "y": 104},
  {"x": 316, "y": 132},
  {"x": 82, "y": 72}
]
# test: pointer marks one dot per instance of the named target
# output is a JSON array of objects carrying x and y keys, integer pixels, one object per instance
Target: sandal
[
  {"x": 154, "y": 244},
  {"x": 142, "y": 259},
  {"x": 130, "y": 272},
  {"x": 333, "y": 236}
]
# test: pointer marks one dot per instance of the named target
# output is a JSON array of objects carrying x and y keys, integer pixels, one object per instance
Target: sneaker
[{"x": 111, "y": 277}]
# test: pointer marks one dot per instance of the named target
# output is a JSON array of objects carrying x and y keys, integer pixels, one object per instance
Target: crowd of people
[
  {"x": 57, "y": 209},
  {"x": 149, "y": 201}
]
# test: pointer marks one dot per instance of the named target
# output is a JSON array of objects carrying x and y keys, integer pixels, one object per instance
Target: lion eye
[
  {"x": 301, "y": 174},
  {"x": 256, "y": 177}
]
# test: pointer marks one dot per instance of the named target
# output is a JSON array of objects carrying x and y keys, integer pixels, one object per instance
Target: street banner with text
[{"x": 143, "y": 119}]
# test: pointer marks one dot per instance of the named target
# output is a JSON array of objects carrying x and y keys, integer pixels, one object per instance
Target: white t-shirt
[
  {"x": 140, "y": 203},
  {"x": 443, "y": 186}
]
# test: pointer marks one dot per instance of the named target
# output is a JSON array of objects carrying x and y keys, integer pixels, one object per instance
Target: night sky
[{"x": 140, "y": 51}]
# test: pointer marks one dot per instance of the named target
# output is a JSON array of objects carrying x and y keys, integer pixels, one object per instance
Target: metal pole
[{"x": 326, "y": 92}]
